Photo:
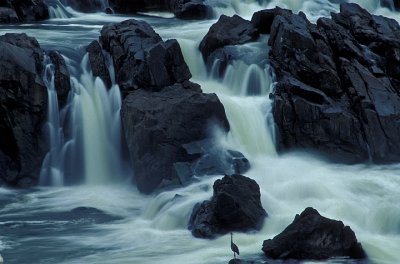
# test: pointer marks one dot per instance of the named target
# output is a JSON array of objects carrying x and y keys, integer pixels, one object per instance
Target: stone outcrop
[
  {"x": 337, "y": 85},
  {"x": 98, "y": 63},
  {"x": 141, "y": 59},
  {"x": 184, "y": 9},
  {"x": 15, "y": 11},
  {"x": 23, "y": 110},
  {"x": 167, "y": 120},
  {"x": 62, "y": 77},
  {"x": 227, "y": 31},
  {"x": 312, "y": 236},
  {"x": 235, "y": 206}
]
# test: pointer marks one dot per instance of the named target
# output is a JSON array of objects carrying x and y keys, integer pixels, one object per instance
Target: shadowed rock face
[
  {"x": 338, "y": 85},
  {"x": 86, "y": 6},
  {"x": 98, "y": 63},
  {"x": 227, "y": 31},
  {"x": 312, "y": 236},
  {"x": 167, "y": 120},
  {"x": 235, "y": 206},
  {"x": 23, "y": 108},
  {"x": 141, "y": 59},
  {"x": 14, "y": 11},
  {"x": 61, "y": 77}
]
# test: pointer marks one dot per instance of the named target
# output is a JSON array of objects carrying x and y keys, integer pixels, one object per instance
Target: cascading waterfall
[
  {"x": 92, "y": 151},
  {"x": 58, "y": 10},
  {"x": 52, "y": 172},
  {"x": 364, "y": 197}
]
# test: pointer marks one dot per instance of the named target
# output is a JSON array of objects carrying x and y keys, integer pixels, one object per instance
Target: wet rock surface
[
  {"x": 337, "y": 85},
  {"x": 235, "y": 206},
  {"x": 167, "y": 121},
  {"x": 98, "y": 63},
  {"x": 227, "y": 31},
  {"x": 23, "y": 110},
  {"x": 312, "y": 236},
  {"x": 16, "y": 11},
  {"x": 61, "y": 78}
]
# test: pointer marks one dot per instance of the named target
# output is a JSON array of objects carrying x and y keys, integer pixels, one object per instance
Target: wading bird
[{"x": 234, "y": 247}]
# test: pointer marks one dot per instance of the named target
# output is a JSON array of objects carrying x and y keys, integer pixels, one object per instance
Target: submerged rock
[
  {"x": 23, "y": 110},
  {"x": 312, "y": 236},
  {"x": 337, "y": 83},
  {"x": 235, "y": 206}
]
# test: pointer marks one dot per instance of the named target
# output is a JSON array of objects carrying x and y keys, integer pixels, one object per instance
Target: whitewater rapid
[{"x": 153, "y": 229}]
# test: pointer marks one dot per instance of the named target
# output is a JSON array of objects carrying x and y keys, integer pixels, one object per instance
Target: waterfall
[
  {"x": 58, "y": 10},
  {"x": 91, "y": 151},
  {"x": 52, "y": 169}
]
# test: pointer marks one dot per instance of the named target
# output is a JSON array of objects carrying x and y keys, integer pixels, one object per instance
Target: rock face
[
  {"x": 141, "y": 58},
  {"x": 227, "y": 31},
  {"x": 98, "y": 63},
  {"x": 263, "y": 19},
  {"x": 14, "y": 11},
  {"x": 86, "y": 6},
  {"x": 337, "y": 85},
  {"x": 61, "y": 77},
  {"x": 23, "y": 109},
  {"x": 167, "y": 120},
  {"x": 184, "y": 9},
  {"x": 235, "y": 206},
  {"x": 312, "y": 236},
  {"x": 391, "y": 4}
]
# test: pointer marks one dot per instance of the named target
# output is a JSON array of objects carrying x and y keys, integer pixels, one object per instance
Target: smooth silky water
[{"x": 152, "y": 229}]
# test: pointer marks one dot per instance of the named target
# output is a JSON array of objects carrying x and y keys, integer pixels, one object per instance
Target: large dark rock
[
  {"x": 184, "y": 9},
  {"x": 31, "y": 10},
  {"x": 8, "y": 15},
  {"x": 227, "y": 31},
  {"x": 23, "y": 110},
  {"x": 312, "y": 236},
  {"x": 98, "y": 63},
  {"x": 235, "y": 206},
  {"x": 141, "y": 58},
  {"x": 167, "y": 121},
  {"x": 337, "y": 85},
  {"x": 62, "y": 81},
  {"x": 263, "y": 19},
  {"x": 157, "y": 125}
]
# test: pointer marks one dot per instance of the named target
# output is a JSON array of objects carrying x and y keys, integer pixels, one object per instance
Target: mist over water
[{"x": 36, "y": 226}]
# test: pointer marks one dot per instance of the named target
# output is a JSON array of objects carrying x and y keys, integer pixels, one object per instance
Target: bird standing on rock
[{"x": 234, "y": 247}]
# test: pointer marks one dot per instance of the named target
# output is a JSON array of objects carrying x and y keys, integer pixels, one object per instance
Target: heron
[{"x": 234, "y": 247}]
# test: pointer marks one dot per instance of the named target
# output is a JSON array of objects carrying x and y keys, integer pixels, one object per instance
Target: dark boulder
[
  {"x": 190, "y": 9},
  {"x": 227, "y": 31},
  {"x": 235, "y": 206},
  {"x": 312, "y": 236},
  {"x": 157, "y": 125},
  {"x": 86, "y": 6},
  {"x": 31, "y": 10},
  {"x": 23, "y": 110},
  {"x": 62, "y": 81},
  {"x": 141, "y": 58},
  {"x": 262, "y": 20},
  {"x": 337, "y": 85},
  {"x": 98, "y": 63},
  {"x": 8, "y": 15}
]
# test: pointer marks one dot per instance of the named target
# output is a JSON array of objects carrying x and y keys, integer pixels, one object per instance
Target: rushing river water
[{"x": 37, "y": 226}]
